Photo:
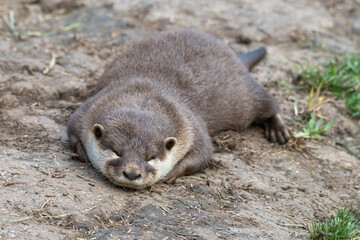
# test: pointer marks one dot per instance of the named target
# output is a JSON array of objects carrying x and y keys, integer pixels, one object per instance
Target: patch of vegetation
[
  {"x": 314, "y": 128},
  {"x": 341, "y": 77},
  {"x": 342, "y": 226}
]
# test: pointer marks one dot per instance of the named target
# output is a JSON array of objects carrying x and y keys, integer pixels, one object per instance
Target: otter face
[{"x": 130, "y": 160}]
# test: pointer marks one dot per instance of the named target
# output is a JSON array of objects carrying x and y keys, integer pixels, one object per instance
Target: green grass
[
  {"x": 12, "y": 24},
  {"x": 341, "y": 77},
  {"x": 72, "y": 26},
  {"x": 314, "y": 128},
  {"x": 342, "y": 226}
]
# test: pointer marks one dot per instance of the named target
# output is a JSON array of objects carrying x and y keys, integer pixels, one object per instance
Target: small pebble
[
  {"x": 344, "y": 196},
  {"x": 286, "y": 187},
  {"x": 302, "y": 189}
]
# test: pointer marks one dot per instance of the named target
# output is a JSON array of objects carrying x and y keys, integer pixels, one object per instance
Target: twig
[
  {"x": 9, "y": 183},
  {"x": 292, "y": 225},
  {"x": 185, "y": 203},
  {"x": 52, "y": 217},
  {"x": 86, "y": 179},
  {"x": 264, "y": 153},
  {"x": 197, "y": 178},
  {"x": 20, "y": 220},
  {"x": 71, "y": 154},
  {"x": 51, "y": 64},
  {"x": 277, "y": 153},
  {"x": 44, "y": 204},
  {"x": 164, "y": 209},
  {"x": 188, "y": 235},
  {"x": 350, "y": 150},
  {"x": 296, "y": 110},
  {"x": 177, "y": 235},
  {"x": 67, "y": 214},
  {"x": 251, "y": 181}
]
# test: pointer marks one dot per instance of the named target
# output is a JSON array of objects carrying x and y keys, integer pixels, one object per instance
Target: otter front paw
[
  {"x": 78, "y": 147},
  {"x": 276, "y": 130},
  {"x": 174, "y": 174}
]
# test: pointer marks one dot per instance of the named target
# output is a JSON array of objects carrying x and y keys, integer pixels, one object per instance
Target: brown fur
[{"x": 184, "y": 84}]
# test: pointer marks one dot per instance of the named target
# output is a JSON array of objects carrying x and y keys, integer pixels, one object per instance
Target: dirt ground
[{"x": 258, "y": 190}]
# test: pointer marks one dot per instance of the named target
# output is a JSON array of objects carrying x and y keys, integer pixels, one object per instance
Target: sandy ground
[{"x": 258, "y": 190}]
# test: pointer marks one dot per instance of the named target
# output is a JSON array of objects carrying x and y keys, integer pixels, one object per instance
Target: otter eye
[
  {"x": 152, "y": 157},
  {"x": 118, "y": 153}
]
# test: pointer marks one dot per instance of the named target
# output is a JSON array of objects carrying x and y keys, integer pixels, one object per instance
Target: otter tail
[{"x": 250, "y": 59}]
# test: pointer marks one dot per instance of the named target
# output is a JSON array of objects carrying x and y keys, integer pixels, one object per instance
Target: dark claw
[{"x": 276, "y": 130}]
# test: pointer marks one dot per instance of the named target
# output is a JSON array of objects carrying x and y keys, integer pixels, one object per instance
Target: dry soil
[{"x": 256, "y": 190}]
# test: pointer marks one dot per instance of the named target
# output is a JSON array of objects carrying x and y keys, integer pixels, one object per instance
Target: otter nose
[{"x": 131, "y": 175}]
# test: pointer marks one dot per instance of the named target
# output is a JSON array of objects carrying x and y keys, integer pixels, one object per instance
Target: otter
[{"x": 157, "y": 104}]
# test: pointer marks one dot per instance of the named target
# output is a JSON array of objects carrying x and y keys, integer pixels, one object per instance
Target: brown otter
[{"x": 159, "y": 102}]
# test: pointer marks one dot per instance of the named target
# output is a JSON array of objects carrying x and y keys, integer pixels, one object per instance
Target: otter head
[{"x": 132, "y": 148}]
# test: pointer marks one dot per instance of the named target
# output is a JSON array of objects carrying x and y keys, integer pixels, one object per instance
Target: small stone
[
  {"x": 344, "y": 196},
  {"x": 286, "y": 187},
  {"x": 302, "y": 189}
]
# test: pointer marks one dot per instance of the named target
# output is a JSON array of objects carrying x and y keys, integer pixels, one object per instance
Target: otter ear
[
  {"x": 98, "y": 131},
  {"x": 170, "y": 143}
]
